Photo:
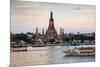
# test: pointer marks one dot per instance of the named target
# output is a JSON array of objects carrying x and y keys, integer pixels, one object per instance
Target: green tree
[{"x": 51, "y": 41}]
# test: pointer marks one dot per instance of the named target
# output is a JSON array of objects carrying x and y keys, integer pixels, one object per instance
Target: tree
[
  {"x": 51, "y": 41},
  {"x": 66, "y": 39}
]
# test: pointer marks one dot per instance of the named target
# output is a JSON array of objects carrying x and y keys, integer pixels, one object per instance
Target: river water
[{"x": 46, "y": 55}]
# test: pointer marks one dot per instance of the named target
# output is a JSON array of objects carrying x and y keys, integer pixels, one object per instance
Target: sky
[{"x": 27, "y": 15}]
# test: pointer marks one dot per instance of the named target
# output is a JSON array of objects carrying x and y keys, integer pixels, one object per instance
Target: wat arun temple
[{"x": 50, "y": 33}]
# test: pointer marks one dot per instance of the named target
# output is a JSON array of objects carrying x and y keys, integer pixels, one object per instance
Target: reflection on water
[{"x": 45, "y": 55}]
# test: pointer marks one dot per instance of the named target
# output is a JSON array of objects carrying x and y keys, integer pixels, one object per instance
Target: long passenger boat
[{"x": 88, "y": 50}]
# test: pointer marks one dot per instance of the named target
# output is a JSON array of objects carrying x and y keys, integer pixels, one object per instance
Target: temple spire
[
  {"x": 36, "y": 29},
  {"x": 43, "y": 31},
  {"x": 51, "y": 16},
  {"x": 51, "y": 32}
]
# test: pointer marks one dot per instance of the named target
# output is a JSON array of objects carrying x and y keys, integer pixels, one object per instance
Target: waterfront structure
[
  {"x": 51, "y": 32},
  {"x": 42, "y": 35},
  {"x": 37, "y": 35},
  {"x": 61, "y": 35}
]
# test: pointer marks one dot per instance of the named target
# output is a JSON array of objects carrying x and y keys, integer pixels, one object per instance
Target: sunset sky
[{"x": 26, "y": 16}]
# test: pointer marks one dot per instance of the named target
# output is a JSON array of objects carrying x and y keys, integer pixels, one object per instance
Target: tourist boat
[
  {"x": 17, "y": 49},
  {"x": 88, "y": 50},
  {"x": 38, "y": 45}
]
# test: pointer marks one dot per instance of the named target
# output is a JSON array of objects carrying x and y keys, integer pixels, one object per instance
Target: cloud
[
  {"x": 81, "y": 9},
  {"x": 27, "y": 12},
  {"x": 25, "y": 16},
  {"x": 26, "y": 8}
]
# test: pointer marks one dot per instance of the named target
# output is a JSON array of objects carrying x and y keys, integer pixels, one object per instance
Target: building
[
  {"x": 89, "y": 34},
  {"x": 61, "y": 35},
  {"x": 51, "y": 32},
  {"x": 37, "y": 35}
]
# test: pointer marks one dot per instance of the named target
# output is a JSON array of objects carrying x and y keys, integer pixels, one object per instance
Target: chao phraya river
[{"x": 45, "y": 55}]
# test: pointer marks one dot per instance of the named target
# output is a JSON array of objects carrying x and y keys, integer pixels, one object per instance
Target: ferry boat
[
  {"x": 88, "y": 50},
  {"x": 18, "y": 49}
]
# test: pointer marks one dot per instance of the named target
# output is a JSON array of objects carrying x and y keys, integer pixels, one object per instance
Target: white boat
[
  {"x": 88, "y": 50},
  {"x": 18, "y": 49}
]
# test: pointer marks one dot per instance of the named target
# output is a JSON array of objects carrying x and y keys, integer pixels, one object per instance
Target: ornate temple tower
[
  {"x": 37, "y": 35},
  {"x": 61, "y": 36},
  {"x": 51, "y": 32}
]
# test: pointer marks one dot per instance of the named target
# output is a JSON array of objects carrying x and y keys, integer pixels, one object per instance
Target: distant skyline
[{"x": 26, "y": 16}]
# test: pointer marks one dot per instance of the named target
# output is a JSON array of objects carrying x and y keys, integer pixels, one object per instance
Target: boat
[
  {"x": 38, "y": 45},
  {"x": 18, "y": 49},
  {"x": 88, "y": 50}
]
